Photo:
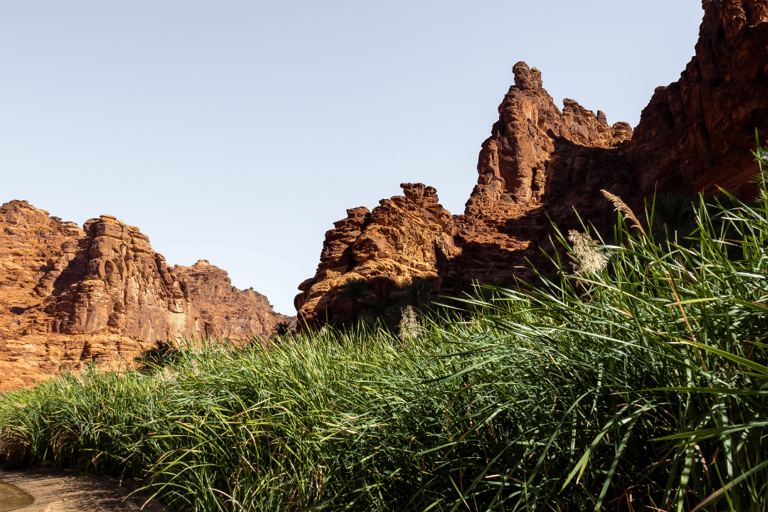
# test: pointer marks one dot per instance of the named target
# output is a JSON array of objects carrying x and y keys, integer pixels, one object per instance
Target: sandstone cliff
[
  {"x": 695, "y": 134},
  {"x": 224, "y": 310},
  {"x": 69, "y": 296},
  {"x": 406, "y": 237},
  {"x": 540, "y": 162}
]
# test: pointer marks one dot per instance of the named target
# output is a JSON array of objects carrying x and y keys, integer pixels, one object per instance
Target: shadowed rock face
[
  {"x": 695, "y": 134},
  {"x": 69, "y": 296},
  {"x": 533, "y": 139},
  {"x": 541, "y": 163}
]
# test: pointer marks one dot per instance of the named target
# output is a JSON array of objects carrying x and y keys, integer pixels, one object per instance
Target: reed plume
[
  {"x": 621, "y": 206},
  {"x": 589, "y": 258}
]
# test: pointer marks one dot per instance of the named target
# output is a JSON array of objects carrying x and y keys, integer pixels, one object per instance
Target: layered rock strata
[
  {"x": 541, "y": 163},
  {"x": 70, "y": 296}
]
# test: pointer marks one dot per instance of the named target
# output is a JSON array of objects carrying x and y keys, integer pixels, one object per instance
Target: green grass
[{"x": 640, "y": 386}]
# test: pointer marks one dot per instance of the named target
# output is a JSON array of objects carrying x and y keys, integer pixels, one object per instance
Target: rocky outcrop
[
  {"x": 533, "y": 141},
  {"x": 224, "y": 310},
  {"x": 538, "y": 164},
  {"x": 539, "y": 160},
  {"x": 115, "y": 283},
  {"x": 541, "y": 163},
  {"x": 695, "y": 134},
  {"x": 70, "y": 296},
  {"x": 405, "y": 238}
]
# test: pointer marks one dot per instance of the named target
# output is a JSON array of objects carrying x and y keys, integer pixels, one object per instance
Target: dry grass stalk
[
  {"x": 167, "y": 375},
  {"x": 409, "y": 324},
  {"x": 621, "y": 206},
  {"x": 589, "y": 258},
  {"x": 14, "y": 449}
]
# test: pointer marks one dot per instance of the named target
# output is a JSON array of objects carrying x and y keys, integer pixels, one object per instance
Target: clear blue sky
[{"x": 239, "y": 131}]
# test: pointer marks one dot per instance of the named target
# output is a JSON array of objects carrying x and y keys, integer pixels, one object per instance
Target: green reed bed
[{"x": 636, "y": 382}]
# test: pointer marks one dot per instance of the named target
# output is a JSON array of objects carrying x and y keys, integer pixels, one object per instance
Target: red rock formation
[
  {"x": 695, "y": 134},
  {"x": 538, "y": 159},
  {"x": 404, "y": 238},
  {"x": 541, "y": 163},
  {"x": 516, "y": 163},
  {"x": 538, "y": 162},
  {"x": 116, "y": 283},
  {"x": 69, "y": 296},
  {"x": 225, "y": 311}
]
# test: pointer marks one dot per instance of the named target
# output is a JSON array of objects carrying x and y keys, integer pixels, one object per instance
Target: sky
[{"x": 239, "y": 131}]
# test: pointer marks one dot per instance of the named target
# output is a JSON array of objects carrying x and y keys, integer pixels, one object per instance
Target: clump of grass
[{"x": 639, "y": 385}]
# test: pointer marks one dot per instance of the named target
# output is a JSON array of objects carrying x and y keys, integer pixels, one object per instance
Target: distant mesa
[
  {"x": 70, "y": 296},
  {"x": 541, "y": 162}
]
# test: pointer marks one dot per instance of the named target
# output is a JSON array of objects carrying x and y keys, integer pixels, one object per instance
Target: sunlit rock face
[
  {"x": 226, "y": 311},
  {"x": 542, "y": 163},
  {"x": 116, "y": 283},
  {"x": 404, "y": 238},
  {"x": 533, "y": 141},
  {"x": 70, "y": 296}
]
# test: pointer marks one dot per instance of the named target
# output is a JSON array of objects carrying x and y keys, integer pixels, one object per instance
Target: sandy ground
[{"x": 60, "y": 491}]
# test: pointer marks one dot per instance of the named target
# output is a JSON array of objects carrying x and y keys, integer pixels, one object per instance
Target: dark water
[{"x": 11, "y": 497}]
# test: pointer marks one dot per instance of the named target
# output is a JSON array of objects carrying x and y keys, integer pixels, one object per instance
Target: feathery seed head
[
  {"x": 621, "y": 206},
  {"x": 589, "y": 258},
  {"x": 409, "y": 324}
]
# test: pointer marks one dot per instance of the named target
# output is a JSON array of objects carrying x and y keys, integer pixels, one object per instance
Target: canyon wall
[
  {"x": 696, "y": 133},
  {"x": 70, "y": 296},
  {"x": 541, "y": 163}
]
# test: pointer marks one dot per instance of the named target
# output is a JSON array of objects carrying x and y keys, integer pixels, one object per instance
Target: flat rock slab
[{"x": 60, "y": 491}]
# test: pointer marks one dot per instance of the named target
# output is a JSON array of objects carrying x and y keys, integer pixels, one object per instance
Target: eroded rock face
[
  {"x": 70, "y": 296},
  {"x": 404, "y": 238},
  {"x": 696, "y": 133},
  {"x": 116, "y": 283},
  {"x": 538, "y": 159},
  {"x": 224, "y": 310},
  {"x": 541, "y": 163},
  {"x": 516, "y": 163}
]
